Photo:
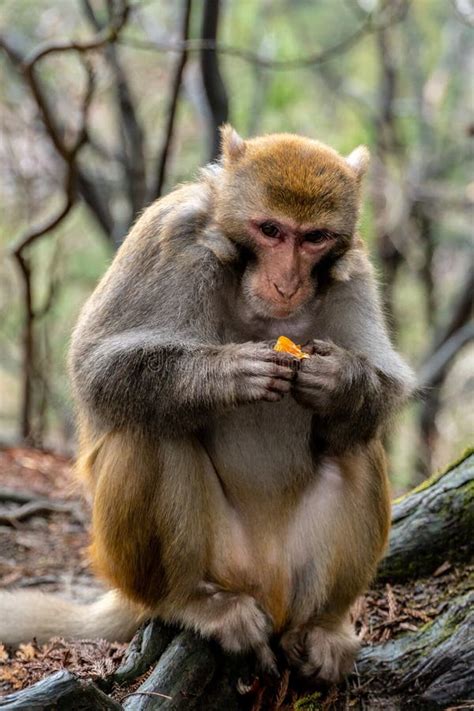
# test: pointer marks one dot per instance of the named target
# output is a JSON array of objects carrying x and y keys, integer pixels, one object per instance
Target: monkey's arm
[
  {"x": 146, "y": 351},
  {"x": 139, "y": 378},
  {"x": 354, "y": 380}
]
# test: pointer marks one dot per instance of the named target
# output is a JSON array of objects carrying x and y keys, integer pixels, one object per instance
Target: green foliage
[{"x": 308, "y": 703}]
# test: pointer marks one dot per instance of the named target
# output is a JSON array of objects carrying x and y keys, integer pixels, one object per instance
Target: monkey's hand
[
  {"x": 325, "y": 377},
  {"x": 259, "y": 373},
  {"x": 348, "y": 395}
]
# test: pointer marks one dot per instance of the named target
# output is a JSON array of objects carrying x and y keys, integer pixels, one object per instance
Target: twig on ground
[
  {"x": 17, "y": 497},
  {"x": 33, "y": 508},
  {"x": 149, "y": 693}
]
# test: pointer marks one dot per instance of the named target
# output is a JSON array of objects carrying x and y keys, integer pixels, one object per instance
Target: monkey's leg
[
  {"x": 158, "y": 511},
  {"x": 322, "y": 642}
]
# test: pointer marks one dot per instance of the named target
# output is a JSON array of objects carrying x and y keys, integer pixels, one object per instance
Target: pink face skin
[{"x": 287, "y": 254}]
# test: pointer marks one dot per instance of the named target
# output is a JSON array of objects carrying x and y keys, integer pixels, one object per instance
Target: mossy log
[
  {"x": 431, "y": 668},
  {"x": 431, "y": 524}
]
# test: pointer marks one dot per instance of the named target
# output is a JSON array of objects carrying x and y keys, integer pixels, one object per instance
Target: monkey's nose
[{"x": 286, "y": 291}]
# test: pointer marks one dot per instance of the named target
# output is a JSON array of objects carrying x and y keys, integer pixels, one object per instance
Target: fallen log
[{"x": 431, "y": 524}]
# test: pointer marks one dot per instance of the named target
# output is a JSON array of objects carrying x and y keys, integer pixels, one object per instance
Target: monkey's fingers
[
  {"x": 271, "y": 389},
  {"x": 321, "y": 348},
  {"x": 316, "y": 381},
  {"x": 257, "y": 368},
  {"x": 278, "y": 385},
  {"x": 253, "y": 389},
  {"x": 264, "y": 351},
  {"x": 281, "y": 357}
]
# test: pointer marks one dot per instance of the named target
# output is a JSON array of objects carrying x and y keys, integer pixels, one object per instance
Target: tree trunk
[{"x": 429, "y": 668}]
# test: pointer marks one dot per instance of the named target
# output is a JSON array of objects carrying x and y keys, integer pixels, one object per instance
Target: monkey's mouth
[
  {"x": 286, "y": 307},
  {"x": 272, "y": 308},
  {"x": 282, "y": 310}
]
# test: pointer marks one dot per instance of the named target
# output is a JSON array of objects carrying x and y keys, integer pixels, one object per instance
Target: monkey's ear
[
  {"x": 232, "y": 145},
  {"x": 359, "y": 160}
]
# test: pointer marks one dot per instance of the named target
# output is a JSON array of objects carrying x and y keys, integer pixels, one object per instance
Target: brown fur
[
  {"x": 138, "y": 538},
  {"x": 290, "y": 175}
]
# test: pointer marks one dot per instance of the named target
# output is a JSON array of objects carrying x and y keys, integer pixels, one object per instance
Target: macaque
[{"x": 237, "y": 491}]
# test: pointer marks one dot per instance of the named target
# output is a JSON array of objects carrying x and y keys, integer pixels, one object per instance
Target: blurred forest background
[{"x": 106, "y": 104}]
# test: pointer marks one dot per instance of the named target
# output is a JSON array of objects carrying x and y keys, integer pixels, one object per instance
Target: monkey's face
[
  {"x": 282, "y": 276},
  {"x": 292, "y": 204}
]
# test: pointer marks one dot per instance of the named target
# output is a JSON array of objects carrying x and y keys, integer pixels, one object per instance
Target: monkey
[{"x": 236, "y": 491}]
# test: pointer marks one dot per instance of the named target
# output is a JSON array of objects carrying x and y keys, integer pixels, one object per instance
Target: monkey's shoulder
[{"x": 170, "y": 223}]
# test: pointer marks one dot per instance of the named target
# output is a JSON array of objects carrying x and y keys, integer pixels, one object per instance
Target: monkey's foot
[
  {"x": 238, "y": 623},
  {"x": 325, "y": 653}
]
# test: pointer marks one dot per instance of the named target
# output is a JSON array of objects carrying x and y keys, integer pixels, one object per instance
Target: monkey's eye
[
  {"x": 269, "y": 229},
  {"x": 317, "y": 236}
]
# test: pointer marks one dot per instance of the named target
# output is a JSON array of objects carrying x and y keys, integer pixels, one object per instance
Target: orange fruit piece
[{"x": 286, "y": 345}]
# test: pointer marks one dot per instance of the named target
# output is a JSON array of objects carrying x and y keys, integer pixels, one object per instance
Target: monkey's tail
[{"x": 25, "y": 614}]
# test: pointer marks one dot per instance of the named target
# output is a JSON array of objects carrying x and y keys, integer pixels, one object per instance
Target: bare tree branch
[
  {"x": 132, "y": 155},
  {"x": 447, "y": 342},
  {"x": 386, "y": 143},
  {"x": 26, "y": 240},
  {"x": 461, "y": 313},
  {"x": 466, "y": 17},
  {"x": 176, "y": 81},
  {"x": 432, "y": 371},
  {"x": 369, "y": 26},
  {"x": 105, "y": 36},
  {"x": 213, "y": 83},
  {"x": 28, "y": 331},
  {"x": 92, "y": 193},
  {"x": 89, "y": 189}
]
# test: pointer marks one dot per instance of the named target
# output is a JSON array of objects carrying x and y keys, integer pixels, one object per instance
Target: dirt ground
[{"x": 43, "y": 545}]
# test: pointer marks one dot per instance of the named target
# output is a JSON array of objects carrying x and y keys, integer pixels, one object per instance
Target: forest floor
[{"x": 44, "y": 547}]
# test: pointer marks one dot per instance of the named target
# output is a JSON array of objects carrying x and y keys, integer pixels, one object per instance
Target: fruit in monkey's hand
[{"x": 286, "y": 345}]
